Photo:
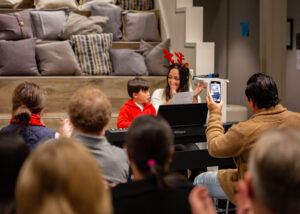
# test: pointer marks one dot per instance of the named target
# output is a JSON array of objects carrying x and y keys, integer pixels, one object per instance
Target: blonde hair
[
  {"x": 60, "y": 176},
  {"x": 275, "y": 167}
]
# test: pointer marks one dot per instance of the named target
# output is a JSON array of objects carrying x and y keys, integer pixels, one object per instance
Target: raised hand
[
  {"x": 212, "y": 105},
  {"x": 243, "y": 197},
  {"x": 172, "y": 90},
  {"x": 66, "y": 128},
  {"x": 199, "y": 89},
  {"x": 201, "y": 202}
]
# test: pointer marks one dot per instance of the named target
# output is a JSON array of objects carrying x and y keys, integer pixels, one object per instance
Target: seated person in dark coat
[
  {"x": 28, "y": 103},
  {"x": 149, "y": 144}
]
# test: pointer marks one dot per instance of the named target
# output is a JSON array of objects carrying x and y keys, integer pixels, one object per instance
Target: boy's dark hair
[
  {"x": 262, "y": 90},
  {"x": 137, "y": 84},
  {"x": 184, "y": 79},
  {"x": 150, "y": 138}
]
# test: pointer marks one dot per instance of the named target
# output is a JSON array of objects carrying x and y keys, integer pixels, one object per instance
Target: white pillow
[
  {"x": 9, "y": 3},
  {"x": 54, "y": 4}
]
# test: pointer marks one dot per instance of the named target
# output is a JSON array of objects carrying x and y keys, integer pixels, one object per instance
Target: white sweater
[{"x": 158, "y": 98}]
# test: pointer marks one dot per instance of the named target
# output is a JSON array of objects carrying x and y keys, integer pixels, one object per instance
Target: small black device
[{"x": 215, "y": 91}]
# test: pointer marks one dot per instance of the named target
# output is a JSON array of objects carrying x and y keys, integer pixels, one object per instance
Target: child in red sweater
[{"x": 138, "y": 90}]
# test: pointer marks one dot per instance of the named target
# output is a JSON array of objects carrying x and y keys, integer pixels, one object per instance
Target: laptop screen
[{"x": 180, "y": 115}]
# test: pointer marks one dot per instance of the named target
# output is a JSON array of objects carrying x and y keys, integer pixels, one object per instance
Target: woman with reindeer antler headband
[{"x": 177, "y": 81}]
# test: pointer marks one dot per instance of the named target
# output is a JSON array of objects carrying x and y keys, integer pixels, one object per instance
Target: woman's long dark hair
[
  {"x": 184, "y": 79},
  {"x": 150, "y": 142}
]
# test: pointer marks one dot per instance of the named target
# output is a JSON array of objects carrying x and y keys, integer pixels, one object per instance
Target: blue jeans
[{"x": 210, "y": 180}]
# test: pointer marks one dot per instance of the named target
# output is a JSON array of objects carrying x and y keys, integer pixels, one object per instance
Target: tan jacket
[{"x": 241, "y": 138}]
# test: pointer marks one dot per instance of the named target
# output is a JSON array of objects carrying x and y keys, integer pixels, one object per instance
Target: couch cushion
[
  {"x": 114, "y": 23},
  {"x": 100, "y": 3},
  {"x": 104, "y": 1},
  {"x": 57, "y": 58},
  {"x": 48, "y": 24},
  {"x": 54, "y": 4},
  {"x": 156, "y": 64},
  {"x": 9, "y": 3},
  {"x": 18, "y": 58},
  {"x": 15, "y": 26},
  {"x": 92, "y": 52},
  {"x": 141, "y": 26},
  {"x": 81, "y": 25},
  {"x": 128, "y": 62},
  {"x": 136, "y": 4}
]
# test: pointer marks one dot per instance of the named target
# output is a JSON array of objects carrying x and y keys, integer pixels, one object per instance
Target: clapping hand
[
  {"x": 172, "y": 90},
  {"x": 199, "y": 89},
  {"x": 201, "y": 202},
  {"x": 66, "y": 128}
]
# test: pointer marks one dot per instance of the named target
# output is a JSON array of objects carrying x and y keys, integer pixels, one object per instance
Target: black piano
[
  {"x": 191, "y": 159},
  {"x": 188, "y": 124}
]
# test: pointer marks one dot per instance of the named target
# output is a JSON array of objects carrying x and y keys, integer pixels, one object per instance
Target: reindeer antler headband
[{"x": 180, "y": 57}]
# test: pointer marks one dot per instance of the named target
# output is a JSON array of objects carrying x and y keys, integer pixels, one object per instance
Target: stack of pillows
[{"x": 60, "y": 42}]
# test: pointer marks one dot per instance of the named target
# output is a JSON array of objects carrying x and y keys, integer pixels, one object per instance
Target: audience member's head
[
  {"x": 262, "y": 90},
  {"x": 274, "y": 165},
  {"x": 13, "y": 152},
  {"x": 149, "y": 143},
  {"x": 89, "y": 110},
  {"x": 61, "y": 176},
  {"x": 27, "y": 98},
  {"x": 136, "y": 85}
]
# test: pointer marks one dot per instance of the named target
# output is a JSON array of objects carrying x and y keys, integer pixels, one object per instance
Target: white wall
[
  {"x": 175, "y": 24},
  {"x": 237, "y": 57},
  {"x": 183, "y": 24},
  {"x": 292, "y": 74},
  {"x": 243, "y": 52}
]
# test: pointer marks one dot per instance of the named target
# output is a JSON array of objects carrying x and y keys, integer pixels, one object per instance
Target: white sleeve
[{"x": 157, "y": 98}]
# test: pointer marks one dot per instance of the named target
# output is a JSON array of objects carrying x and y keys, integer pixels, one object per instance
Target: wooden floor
[{"x": 58, "y": 91}]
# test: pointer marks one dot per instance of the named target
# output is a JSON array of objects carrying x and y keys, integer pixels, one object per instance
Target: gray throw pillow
[
  {"x": 128, "y": 62},
  {"x": 100, "y": 3},
  {"x": 156, "y": 64},
  {"x": 114, "y": 23},
  {"x": 57, "y": 58},
  {"x": 92, "y": 52},
  {"x": 18, "y": 58},
  {"x": 48, "y": 24},
  {"x": 141, "y": 26},
  {"x": 81, "y": 25},
  {"x": 15, "y": 26}
]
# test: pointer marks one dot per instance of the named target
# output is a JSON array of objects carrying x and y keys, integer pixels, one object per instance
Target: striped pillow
[
  {"x": 92, "y": 52},
  {"x": 136, "y": 4}
]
